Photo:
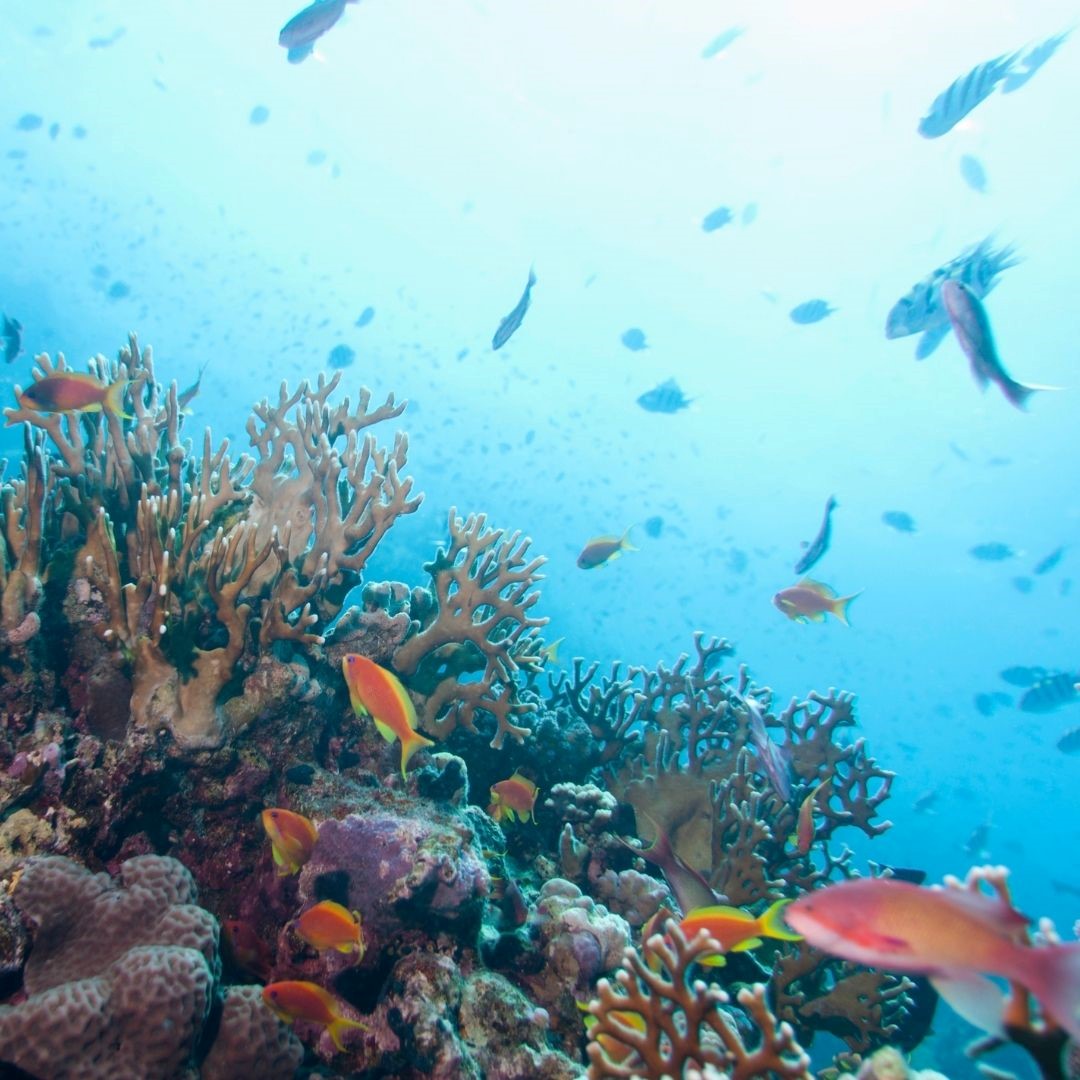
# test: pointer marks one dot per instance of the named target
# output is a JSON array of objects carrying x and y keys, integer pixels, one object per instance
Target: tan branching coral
[
  {"x": 22, "y": 509},
  {"x": 655, "y": 1021}
]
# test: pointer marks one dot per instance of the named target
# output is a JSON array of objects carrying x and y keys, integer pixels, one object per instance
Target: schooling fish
[
  {"x": 603, "y": 549},
  {"x": 291, "y": 1001},
  {"x": 329, "y": 925},
  {"x": 301, "y": 32},
  {"x": 1022, "y": 675},
  {"x": 378, "y": 693},
  {"x": 736, "y": 930},
  {"x": 809, "y": 601},
  {"x": 953, "y": 104},
  {"x": 820, "y": 545},
  {"x": 1051, "y": 693},
  {"x": 899, "y": 520},
  {"x": 665, "y": 398},
  {"x": 951, "y": 935},
  {"x": 971, "y": 169},
  {"x": 72, "y": 391},
  {"x": 513, "y": 320},
  {"x": 811, "y": 311},
  {"x": 1045, "y": 565},
  {"x": 1033, "y": 60},
  {"x": 992, "y": 551},
  {"x": 513, "y": 798},
  {"x": 11, "y": 338},
  {"x": 971, "y": 325},
  {"x": 292, "y": 839}
]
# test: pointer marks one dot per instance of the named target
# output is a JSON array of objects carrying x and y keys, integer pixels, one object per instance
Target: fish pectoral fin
[
  {"x": 978, "y": 1000},
  {"x": 745, "y": 946},
  {"x": 817, "y": 616},
  {"x": 384, "y": 730}
]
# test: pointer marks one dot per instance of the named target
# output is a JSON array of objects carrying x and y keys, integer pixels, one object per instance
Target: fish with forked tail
[{"x": 810, "y": 600}]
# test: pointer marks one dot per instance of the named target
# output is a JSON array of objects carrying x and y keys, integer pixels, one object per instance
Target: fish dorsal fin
[
  {"x": 819, "y": 587},
  {"x": 722, "y": 911}
]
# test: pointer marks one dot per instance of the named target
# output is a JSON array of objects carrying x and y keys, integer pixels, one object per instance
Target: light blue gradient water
[{"x": 466, "y": 141}]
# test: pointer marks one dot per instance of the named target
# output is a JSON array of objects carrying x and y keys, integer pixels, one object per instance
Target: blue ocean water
[{"x": 385, "y": 199}]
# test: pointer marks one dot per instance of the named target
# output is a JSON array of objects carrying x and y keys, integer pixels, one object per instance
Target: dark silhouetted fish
[
  {"x": 1064, "y": 886},
  {"x": 810, "y": 311},
  {"x": 513, "y": 320},
  {"x": 1021, "y": 676},
  {"x": 717, "y": 219},
  {"x": 1069, "y": 743},
  {"x": 1046, "y": 564},
  {"x": 11, "y": 339},
  {"x": 28, "y": 122},
  {"x": 365, "y": 317},
  {"x": 924, "y": 803},
  {"x": 654, "y": 526},
  {"x": 634, "y": 339},
  {"x": 820, "y": 545},
  {"x": 1050, "y": 693},
  {"x": 301, "y": 32},
  {"x": 984, "y": 704},
  {"x": 1032, "y": 61},
  {"x": 722, "y": 41},
  {"x": 899, "y": 520},
  {"x": 991, "y": 552},
  {"x": 953, "y": 104},
  {"x": 665, "y": 398},
  {"x": 341, "y": 356},
  {"x": 976, "y": 842},
  {"x": 971, "y": 169}
]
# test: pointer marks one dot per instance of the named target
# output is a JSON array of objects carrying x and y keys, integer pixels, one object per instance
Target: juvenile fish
[
  {"x": 820, "y": 544},
  {"x": 513, "y": 320},
  {"x": 953, "y": 104}
]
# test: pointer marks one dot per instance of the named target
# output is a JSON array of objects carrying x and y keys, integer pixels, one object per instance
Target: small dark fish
[
  {"x": 976, "y": 842},
  {"x": 1023, "y": 584},
  {"x": 924, "y": 802},
  {"x": 118, "y": 290},
  {"x": 900, "y": 873},
  {"x": 899, "y": 520},
  {"x": 1032, "y": 61},
  {"x": 28, "y": 122},
  {"x": 952, "y": 105},
  {"x": 971, "y": 169},
  {"x": 602, "y": 549},
  {"x": 811, "y": 311},
  {"x": 1050, "y": 693},
  {"x": 1069, "y": 743},
  {"x": 665, "y": 398},
  {"x": 985, "y": 705},
  {"x": 11, "y": 338},
  {"x": 1064, "y": 886},
  {"x": 105, "y": 42},
  {"x": 971, "y": 325},
  {"x": 634, "y": 339},
  {"x": 1023, "y": 676},
  {"x": 820, "y": 545},
  {"x": 365, "y": 317},
  {"x": 513, "y": 320},
  {"x": 306, "y": 27},
  {"x": 341, "y": 356},
  {"x": 259, "y": 115},
  {"x": 654, "y": 526},
  {"x": 185, "y": 397},
  {"x": 992, "y": 552},
  {"x": 722, "y": 41},
  {"x": 717, "y": 219},
  {"x": 1046, "y": 564}
]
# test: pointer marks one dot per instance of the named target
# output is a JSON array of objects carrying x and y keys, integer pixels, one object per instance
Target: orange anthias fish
[
  {"x": 378, "y": 693},
  {"x": 615, "y": 1051},
  {"x": 804, "y": 827},
  {"x": 249, "y": 952},
  {"x": 603, "y": 549},
  {"x": 953, "y": 936},
  {"x": 73, "y": 391},
  {"x": 292, "y": 1001},
  {"x": 810, "y": 600},
  {"x": 512, "y": 798},
  {"x": 736, "y": 930},
  {"x": 292, "y": 839},
  {"x": 330, "y": 926}
]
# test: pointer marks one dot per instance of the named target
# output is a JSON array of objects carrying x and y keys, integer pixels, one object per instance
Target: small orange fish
[
  {"x": 292, "y": 839},
  {"x": 248, "y": 951},
  {"x": 614, "y": 1050},
  {"x": 736, "y": 930},
  {"x": 512, "y": 798},
  {"x": 73, "y": 391},
  {"x": 330, "y": 926},
  {"x": 810, "y": 600},
  {"x": 602, "y": 549},
  {"x": 378, "y": 693},
  {"x": 804, "y": 827},
  {"x": 306, "y": 1001}
]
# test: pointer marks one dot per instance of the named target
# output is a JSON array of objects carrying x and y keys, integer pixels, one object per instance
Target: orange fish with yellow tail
[
  {"x": 329, "y": 925},
  {"x": 810, "y": 601},
  {"x": 291, "y": 1001},
  {"x": 292, "y": 839},
  {"x": 378, "y": 693},
  {"x": 512, "y": 798},
  {"x": 735, "y": 930},
  {"x": 74, "y": 391}
]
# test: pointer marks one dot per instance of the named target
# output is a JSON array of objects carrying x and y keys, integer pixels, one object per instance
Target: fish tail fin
[
  {"x": 410, "y": 744},
  {"x": 340, "y": 1024},
  {"x": 773, "y": 925},
  {"x": 1018, "y": 393},
  {"x": 841, "y": 604},
  {"x": 1052, "y": 974},
  {"x": 627, "y": 542},
  {"x": 114, "y": 399}
]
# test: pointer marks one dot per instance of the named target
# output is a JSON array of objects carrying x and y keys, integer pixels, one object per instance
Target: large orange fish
[
  {"x": 953, "y": 936},
  {"x": 329, "y": 925},
  {"x": 73, "y": 391},
  {"x": 810, "y": 600},
  {"x": 378, "y": 693},
  {"x": 736, "y": 930},
  {"x": 292, "y": 839},
  {"x": 299, "y": 1000},
  {"x": 513, "y": 797}
]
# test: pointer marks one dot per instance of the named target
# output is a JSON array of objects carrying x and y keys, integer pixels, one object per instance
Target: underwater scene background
[{"x": 739, "y": 219}]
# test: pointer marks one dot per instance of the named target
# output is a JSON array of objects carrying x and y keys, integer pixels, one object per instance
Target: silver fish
[
  {"x": 972, "y": 327},
  {"x": 513, "y": 320},
  {"x": 953, "y": 104},
  {"x": 920, "y": 310},
  {"x": 820, "y": 545},
  {"x": 1032, "y": 60},
  {"x": 299, "y": 34}
]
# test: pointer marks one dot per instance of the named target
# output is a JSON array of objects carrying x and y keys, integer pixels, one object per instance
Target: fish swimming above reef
[
  {"x": 1050, "y": 693},
  {"x": 820, "y": 544},
  {"x": 603, "y": 549},
  {"x": 292, "y": 839},
  {"x": 307, "y": 1001},
  {"x": 810, "y": 600},
  {"x": 378, "y": 693},
  {"x": 971, "y": 325},
  {"x": 992, "y": 551},
  {"x": 811, "y": 311},
  {"x": 329, "y": 925},
  {"x": 1032, "y": 60},
  {"x": 1048, "y": 562},
  {"x": 513, "y": 799},
  {"x": 512, "y": 321},
  {"x": 954, "y": 936},
  {"x": 970, "y": 90},
  {"x": 665, "y": 398},
  {"x": 10, "y": 338},
  {"x": 921, "y": 311},
  {"x": 735, "y": 930},
  {"x": 72, "y": 391},
  {"x": 301, "y": 32},
  {"x": 899, "y": 520}
]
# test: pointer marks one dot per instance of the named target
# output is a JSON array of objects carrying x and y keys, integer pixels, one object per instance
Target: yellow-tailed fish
[
  {"x": 736, "y": 930},
  {"x": 292, "y": 839},
  {"x": 291, "y": 1001}
]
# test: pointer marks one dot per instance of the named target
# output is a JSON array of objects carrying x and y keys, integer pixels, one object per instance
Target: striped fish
[
  {"x": 954, "y": 104},
  {"x": 1051, "y": 693},
  {"x": 513, "y": 320}
]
